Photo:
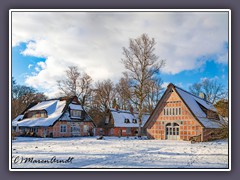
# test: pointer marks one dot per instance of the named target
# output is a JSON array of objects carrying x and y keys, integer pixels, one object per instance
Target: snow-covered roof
[
  {"x": 119, "y": 117},
  {"x": 49, "y": 106},
  {"x": 75, "y": 107},
  {"x": 193, "y": 103},
  {"x": 54, "y": 109}
]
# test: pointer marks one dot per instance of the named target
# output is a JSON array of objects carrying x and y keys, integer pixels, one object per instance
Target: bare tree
[
  {"x": 103, "y": 94},
  {"x": 76, "y": 84},
  {"x": 155, "y": 91},
  {"x": 141, "y": 64},
  {"x": 123, "y": 93},
  {"x": 196, "y": 88},
  {"x": 22, "y": 97},
  {"x": 102, "y": 99},
  {"x": 222, "y": 107},
  {"x": 212, "y": 89}
]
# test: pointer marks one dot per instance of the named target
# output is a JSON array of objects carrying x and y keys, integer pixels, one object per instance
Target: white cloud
[
  {"x": 215, "y": 78},
  {"x": 94, "y": 41},
  {"x": 42, "y": 64},
  {"x": 29, "y": 66},
  {"x": 165, "y": 84},
  {"x": 37, "y": 69}
]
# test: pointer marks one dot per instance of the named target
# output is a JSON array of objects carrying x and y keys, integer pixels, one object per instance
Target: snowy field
[{"x": 114, "y": 152}]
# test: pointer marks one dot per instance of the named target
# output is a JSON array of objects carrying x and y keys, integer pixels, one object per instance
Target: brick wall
[
  {"x": 86, "y": 132},
  {"x": 116, "y": 131},
  {"x": 188, "y": 126}
]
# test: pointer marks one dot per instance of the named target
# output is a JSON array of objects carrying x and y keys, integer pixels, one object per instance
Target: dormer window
[
  {"x": 134, "y": 121},
  {"x": 76, "y": 113},
  {"x": 36, "y": 114},
  {"x": 107, "y": 120},
  {"x": 126, "y": 121}
]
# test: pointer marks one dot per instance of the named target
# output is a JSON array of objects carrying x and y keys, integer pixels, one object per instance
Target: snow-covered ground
[{"x": 114, "y": 152}]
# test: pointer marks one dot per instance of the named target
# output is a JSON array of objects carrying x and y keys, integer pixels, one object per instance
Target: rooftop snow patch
[
  {"x": 76, "y": 107},
  {"x": 49, "y": 106},
  {"x": 54, "y": 109},
  {"x": 120, "y": 116},
  {"x": 192, "y": 102}
]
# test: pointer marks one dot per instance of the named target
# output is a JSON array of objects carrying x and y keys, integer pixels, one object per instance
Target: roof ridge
[
  {"x": 127, "y": 111},
  {"x": 190, "y": 93}
]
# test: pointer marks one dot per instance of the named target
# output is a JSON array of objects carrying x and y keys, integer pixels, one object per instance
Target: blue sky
[
  {"x": 210, "y": 70},
  {"x": 194, "y": 45},
  {"x": 23, "y": 66}
]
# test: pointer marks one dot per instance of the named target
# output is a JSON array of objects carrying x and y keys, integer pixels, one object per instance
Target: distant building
[
  {"x": 62, "y": 117},
  {"x": 121, "y": 123},
  {"x": 180, "y": 115}
]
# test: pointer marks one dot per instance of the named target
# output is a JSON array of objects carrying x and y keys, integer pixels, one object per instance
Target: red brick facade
[
  {"x": 117, "y": 131},
  {"x": 180, "y": 124},
  {"x": 185, "y": 122},
  {"x": 72, "y": 129},
  {"x": 72, "y": 119}
]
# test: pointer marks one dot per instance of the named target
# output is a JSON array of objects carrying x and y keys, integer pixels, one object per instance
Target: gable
[
  {"x": 74, "y": 107},
  {"x": 171, "y": 107},
  {"x": 190, "y": 105}
]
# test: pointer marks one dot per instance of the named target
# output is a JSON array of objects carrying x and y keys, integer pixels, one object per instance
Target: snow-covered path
[{"x": 113, "y": 152}]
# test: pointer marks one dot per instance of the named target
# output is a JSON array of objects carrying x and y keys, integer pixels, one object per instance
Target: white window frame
[
  {"x": 63, "y": 128},
  {"x": 76, "y": 113},
  {"x": 172, "y": 111}
]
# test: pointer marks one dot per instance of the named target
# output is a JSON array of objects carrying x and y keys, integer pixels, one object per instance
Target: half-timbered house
[
  {"x": 180, "y": 115},
  {"x": 61, "y": 117}
]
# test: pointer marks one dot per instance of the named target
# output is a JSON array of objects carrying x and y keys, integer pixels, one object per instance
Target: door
[
  {"x": 172, "y": 131},
  {"x": 75, "y": 130}
]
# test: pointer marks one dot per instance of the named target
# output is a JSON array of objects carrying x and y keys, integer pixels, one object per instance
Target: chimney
[
  {"x": 131, "y": 109},
  {"x": 203, "y": 96},
  {"x": 116, "y": 107}
]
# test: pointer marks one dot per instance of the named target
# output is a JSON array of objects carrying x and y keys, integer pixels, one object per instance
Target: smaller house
[
  {"x": 61, "y": 117},
  {"x": 121, "y": 123}
]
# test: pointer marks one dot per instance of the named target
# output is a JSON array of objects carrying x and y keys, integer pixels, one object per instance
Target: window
[
  {"x": 134, "y": 121},
  {"x": 76, "y": 113},
  {"x": 128, "y": 130},
  {"x": 111, "y": 131},
  {"x": 85, "y": 128},
  {"x": 63, "y": 128},
  {"x": 172, "y": 111},
  {"x": 75, "y": 128},
  {"x": 126, "y": 121},
  {"x": 107, "y": 120},
  {"x": 36, "y": 114}
]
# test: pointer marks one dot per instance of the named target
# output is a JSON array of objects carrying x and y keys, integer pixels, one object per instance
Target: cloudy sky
[{"x": 44, "y": 44}]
